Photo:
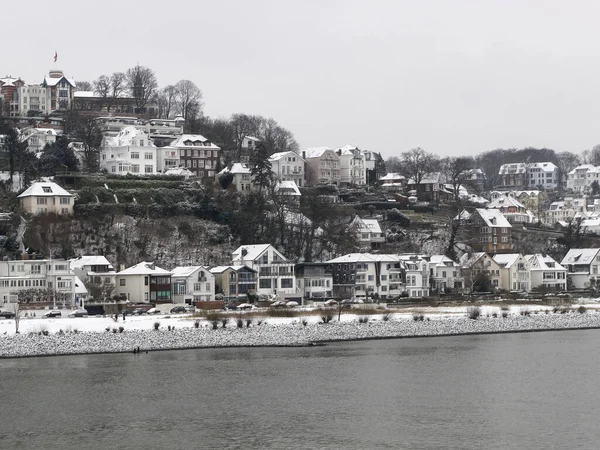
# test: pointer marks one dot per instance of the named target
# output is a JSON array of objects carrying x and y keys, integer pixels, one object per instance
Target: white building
[
  {"x": 314, "y": 280},
  {"x": 167, "y": 158},
  {"x": 546, "y": 273},
  {"x": 131, "y": 151},
  {"x": 322, "y": 166},
  {"x": 37, "y": 138},
  {"x": 444, "y": 273},
  {"x": 542, "y": 175},
  {"x": 368, "y": 231},
  {"x": 417, "y": 275},
  {"x": 288, "y": 166},
  {"x": 352, "y": 166},
  {"x": 242, "y": 176},
  {"x": 32, "y": 98},
  {"x": 46, "y": 280},
  {"x": 393, "y": 182},
  {"x": 46, "y": 197},
  {"x": 192, "y": 284},
  {"x": 582, "y": 264},
  {"x": 144, "y": 282},
  {"x": 275, "y": 271},
  {"x": 514, "y": 272},
  {"x": 580, "y": 179}
]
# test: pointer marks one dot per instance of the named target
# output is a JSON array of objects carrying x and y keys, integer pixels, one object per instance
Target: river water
[{"x": 512, "y": 391}]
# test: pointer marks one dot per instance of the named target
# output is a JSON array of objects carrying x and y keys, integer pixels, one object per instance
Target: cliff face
[{"x": 124, "y": 240}]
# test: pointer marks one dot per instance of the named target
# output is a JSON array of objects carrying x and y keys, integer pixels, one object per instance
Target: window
[
  {"x": 287, "y": 282},
  {"x": 265, "y": 283},
  {"x": 135, "y": 155},
  {"x": 60, "y": 267},
  {"x": 371, "y": 277},
  {"x": 135, "y": 168},
  {"x": 148, "y": 169},
  {"x": 42, "y": 201},
  {"x": 148, "y": 155},
  {"x": 122, "y": 281},
  {"x": 65, "y": 200}
]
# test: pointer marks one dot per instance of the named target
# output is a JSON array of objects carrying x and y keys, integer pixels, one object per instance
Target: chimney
[{"x": 303, "y": 154}]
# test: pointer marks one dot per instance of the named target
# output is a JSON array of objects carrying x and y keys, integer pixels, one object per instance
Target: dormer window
[{"x": 47, "y": 189}]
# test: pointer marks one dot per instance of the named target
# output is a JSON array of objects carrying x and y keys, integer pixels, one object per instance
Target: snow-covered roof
[
  {"x": 467, "y": 260},
  {"x": 512, "y": 168},
  {"x": 440, "y": 260},
  {"x": 79, "y": 287},
  {"x": 493, "y": 218},
  {"x": 463, "y": 215},
  {"x": 236, "y": 168},
  {"x": 583, "y": 168},
  {"x": 580, "y": 256},
  {"x": 126, "y": 137},
  {"x": 316, "y": 152},
  {"x": 9, "y": 81},
  {"x": 53, "y": 81},
  {"x": 93, "y": 94},
  {"x": 193, "y": 140},
  {"x": 144, "y": 268},
  {"x": 430, "y": 178},
  {"x": 89, "y": 260},
  {"x": 506, "y": 200},
  {"x": 545, "y": 166},
  {"x": 506, "y": 260},
  {"x": 45, "y": 189},
  {"x": 182, "y": 171},
  {"x": 253, "y": 252},
  {"x": 364, "y": 257},
  {"x": 184, "y": 271},
  {"x": 543, "y": 262},
  {"x": 280, "y": 155},
  {"x": 287, "y": 188},
  {"x": 392, "y": 177},
  {"x": 236, "y": 268}
]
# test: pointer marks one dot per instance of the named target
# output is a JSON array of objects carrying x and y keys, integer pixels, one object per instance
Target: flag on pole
[{"x": 55, "y": 56}]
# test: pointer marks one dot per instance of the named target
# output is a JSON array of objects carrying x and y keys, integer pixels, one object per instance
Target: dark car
[
  {"x": 139, "y": 311},
  {"x": 178, "y": 309},
  {"x": 53, "y": 313},
  {"x": 7, "y": 314}
]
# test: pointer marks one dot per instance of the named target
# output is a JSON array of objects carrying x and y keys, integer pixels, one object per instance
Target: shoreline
[{"x": 282, "y": 335}]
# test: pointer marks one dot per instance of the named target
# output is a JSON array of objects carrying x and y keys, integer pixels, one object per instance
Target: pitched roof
[
  {"x": 580, "y": 256},
  {"x": 126, "y": 137},
  {"x": 279, "y": 155},
  {"x": 144, "y": 268},
  {"x": 493, "y": 218},
  {"x": 194, "y": 140},
  {"x": 315, "y": 152},
  {"x": 506, "y": 260},
  {"x": 467, "y": 260},
  {"x": 89, "y": 260},
  {"x": 364, "y": 257},
  {"x": 392, "y": 177},
  {"x": 506, "y": 200},
  {"x": 184, "y": 271},
  {"x": 45, "y": 189},
  {"x": 252, "y": 252},
  {"x": 236, "y": 168},
  {"x": 236, "y": 268},
  {"x": 543, "y": 262},
  {"x": 287, "y": 188}
]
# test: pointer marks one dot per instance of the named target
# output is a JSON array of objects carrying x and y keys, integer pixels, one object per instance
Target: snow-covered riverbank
[{"x": 272, "y": 332}]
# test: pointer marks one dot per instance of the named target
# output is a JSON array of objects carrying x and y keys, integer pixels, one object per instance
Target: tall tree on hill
[
  {"x": 110, "y": 88},
  {"x": 276, "y": 138},
  {"x": 84, "y": 86},
  {"x": 166, "y": 99},
  {"x": 260, "y": 167},
  {"x": 456, "y": 171},
  {"x": 57, "y": 157},
  {"x": 14, "y": 148},
  {"x": 142, "y": 85},
  {"x": 393, "y": 164},
  {"x": 188, "y": 100},
  {"x": 244, "y": 125},
  {"x": 375, "y": 174},
  {"x": 417, "y": 163},
  {"x": 565, "y": 161},
  {"x": 87, "y": 131}
]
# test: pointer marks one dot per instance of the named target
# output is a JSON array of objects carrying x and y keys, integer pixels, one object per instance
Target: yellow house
[{"x": 47, "y": 197}]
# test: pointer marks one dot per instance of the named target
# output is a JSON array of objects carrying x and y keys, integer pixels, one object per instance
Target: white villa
[
  {"x": 192, "y": 284},
  {"x": 131, "y": 151}
]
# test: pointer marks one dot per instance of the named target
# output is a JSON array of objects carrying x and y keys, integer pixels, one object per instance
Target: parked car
[
  {"x": 7, "y": 314},
  {"x": 178, "y": 309},
  {"x": 153, "y": 311},
  {"x": 79, "y": 313},
  {"x": 53, "y": 313},
  {"x": 190, "y": 308},
  {"x": 139, "y": 311}
]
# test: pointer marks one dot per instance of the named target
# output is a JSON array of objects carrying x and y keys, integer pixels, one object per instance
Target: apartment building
[
  {"x": 199, "y": 155},
  {"x": 322, "y": 166},
  {"x": 130, "y": 151}
]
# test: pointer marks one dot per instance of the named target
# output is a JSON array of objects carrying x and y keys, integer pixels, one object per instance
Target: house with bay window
[
  {"x": 44, "y": 197},
  {"x": 275, "y": 272},
  {"x": 514, "y": 272},
  {"x": 144, "y": 283},
  {"x": 191, "y": 284}
]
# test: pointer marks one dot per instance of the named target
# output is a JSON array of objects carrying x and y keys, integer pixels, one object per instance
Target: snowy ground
[{"x": 99, "y": 334}]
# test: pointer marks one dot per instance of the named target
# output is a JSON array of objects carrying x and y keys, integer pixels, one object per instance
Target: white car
[
  {"x": 153, "y": 311},
  {"x": 79, "y": 313}
]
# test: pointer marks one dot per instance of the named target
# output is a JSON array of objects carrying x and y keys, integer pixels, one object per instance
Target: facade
[
  {"x": 368, "y": 231},
  {"x": 131, "y": 151},
  {"x": 242, "y": 176},
  {"x": 473, "y": 265},
  {"x": 37, "y": 138},
  {"x": 191, "y": 284},
  {"x": 430, "y": 189},
  {"x": 46, "y": 197},
  {"x": 581, "y": 264},
  {"x": 275, "y": 272},
  {"x": 288, "y": 166},
  {"x": 41, "y": 280},
  {"x": 546, "y": 273},
  {"x": 514, "y": 272},
  {"x": 519, "y": 176},
  {"x": 199, "y": 155},
  {"x": 90, "y": 103},
  {"x": 322, "y": 166},
  {"x": 359, "y": 276},
  {"x": 32, "y": 100},
  {"x": 565, "y": 210},
  {"x": 234, "y": 282},
  {"x": 511, "y": 208},
  {"x": 59, "y": 91},
  {"x": 167, "y": 159},
  {"x": 9, "y": 92},
  {"x": 580, "y": 179},
  {"x": 417, "y": 275},
  {"x": 144, "y": 283},
  {"x": 352, "y": 166},
  {"x": 314, "y": 280},
  {"x": 487, "y": 230},
  {"x": 444, "y": 274},
  {"x": 393, "y": 182}
]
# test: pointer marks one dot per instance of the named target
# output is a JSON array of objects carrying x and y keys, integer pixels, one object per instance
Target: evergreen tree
[{"x": 261, "y": 171}]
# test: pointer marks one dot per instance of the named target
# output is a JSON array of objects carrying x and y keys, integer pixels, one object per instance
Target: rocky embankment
[{"x": 289, "y": 334}]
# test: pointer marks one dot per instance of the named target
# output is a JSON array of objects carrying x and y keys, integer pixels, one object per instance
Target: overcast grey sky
[{"x": 453, "y": 77}]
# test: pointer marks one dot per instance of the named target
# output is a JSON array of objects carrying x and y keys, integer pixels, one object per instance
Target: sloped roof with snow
[
  {"x": 512, "y": 168},
  {"x": 51, "y": 81},
  {"x": 545, "y": 166},
  {"x": 506, "y": 200},
  {"x": 185, "y": 271},
  {"x": 316, "y": 152},
  {"x": 89, "y": 260},
  {"x": 493, "y": 218},
  {"x": 237, "y": 168},
  {"x": 392, "y": 177},
  {"x": 125, "y": 137},
  {"x": 236, "y": 268},
  {"x": 506, "y": 260},
  {"x": 543, "y": 262},
  {"x": 364, "y": 257},
  {"x": 279, "y": 155},
  {"x": 467, "y": 260},
  {"x": 144, "y": 268},
  {"x": 193, "y": 140},
  {"x": 440, "y": 260},
  {"x": 253, "y": 252},
  {"x": 182, "y": 171},
  {"x": 583, "y": 256},
  {"x": 45, "y": 189},
  {"x": 79, "y": 287},
  {"x": 287, "y": 188}
]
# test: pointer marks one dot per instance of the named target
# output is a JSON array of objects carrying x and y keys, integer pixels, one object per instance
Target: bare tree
[
  {"x": 188, "y": 99},
  {"x": 417, "y": 163},
  {"x": 102, "y": 89},
  {"x": 84, "y": 86},
  {"x": 142, "y": 84},
  {"x": 456, "y": 170},
  {"x": 166, "y": 101},
  {"x": 88, "y": 132},
  {"x": 110, "y": 88}
]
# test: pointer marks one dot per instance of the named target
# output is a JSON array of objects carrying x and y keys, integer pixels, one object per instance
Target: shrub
[
  {"x": 259, "y": 322},
  {"x": 114, "y": 330},
  {"x": 197, "y": 324},
  {"x": 121, "y": 329},
  {"x": 582, "y": 309},
  {"x": 326, "y": 318},
  {"x": 215, "y": 324},
  {"x": 224, "y": 322},
  {"x": 240, "y": 322},
  {"x": 61, "y": 332},
  {"x": 495, "y": 315},
  {"x": 363, "y": 319},
  {"x": 504, "y": 314},
  {"x": 505, "y": 308},
  {"x": 248, "y": 323},
  {"x": 107, "y": 329},
  {"x": 525, "y": 312},
  {"x": 386, "y": 317},
  {"x": 418, "y": 317},
  {"x": 304, "y": 322},
  {"x": 474, "y": 312},
  {"x": 156, "y": 325},
  {"x": 169, "y": 327}
]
